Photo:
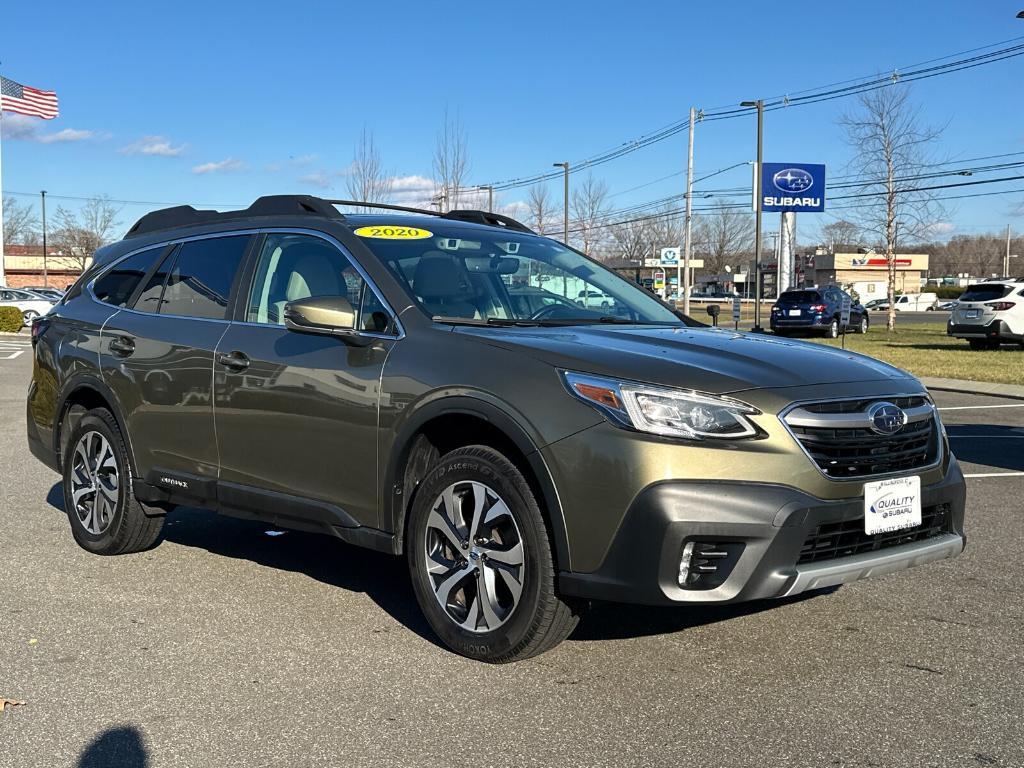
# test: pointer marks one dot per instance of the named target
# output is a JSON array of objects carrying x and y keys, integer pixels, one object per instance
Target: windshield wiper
[{"x": 501, "y": 322}]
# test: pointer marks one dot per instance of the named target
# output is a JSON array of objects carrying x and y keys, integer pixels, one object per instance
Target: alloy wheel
[
  {"x": 474, "y": 556},
  {"x": 95, "y": 485}
]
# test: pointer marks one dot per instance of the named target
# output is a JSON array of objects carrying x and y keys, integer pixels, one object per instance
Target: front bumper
[
  {"x": 768, "y": 524},
  {"x": 996, "y": 329}
]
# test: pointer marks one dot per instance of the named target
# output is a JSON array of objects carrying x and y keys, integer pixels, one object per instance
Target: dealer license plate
[
  {"x": 892, "y": 505},
  {"x": 794, "y": 313},
  {"x": 972, "y": 313}
]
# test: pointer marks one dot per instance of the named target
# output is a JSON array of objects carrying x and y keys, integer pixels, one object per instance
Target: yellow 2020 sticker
[{"x": 394, "y": 233}]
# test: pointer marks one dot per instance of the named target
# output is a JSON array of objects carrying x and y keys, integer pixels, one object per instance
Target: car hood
[{"x": 710, "y": 360}]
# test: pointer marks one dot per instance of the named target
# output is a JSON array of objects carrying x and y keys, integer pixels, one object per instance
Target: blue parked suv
[{"x": 816, "y": 310}]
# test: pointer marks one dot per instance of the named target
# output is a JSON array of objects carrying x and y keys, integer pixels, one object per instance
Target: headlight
[{"x": 664, "y": 411}]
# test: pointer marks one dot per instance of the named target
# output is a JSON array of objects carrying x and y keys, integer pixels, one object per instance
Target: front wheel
[
  {"x": 28, "y": 316},
  {"x": 481, "y": 561},
  {"x": 863, "y": 326}
]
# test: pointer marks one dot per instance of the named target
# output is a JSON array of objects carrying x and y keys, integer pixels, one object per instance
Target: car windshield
[
  {"x": 985, "y": 292},
  {"x": 508, "y": 278}
]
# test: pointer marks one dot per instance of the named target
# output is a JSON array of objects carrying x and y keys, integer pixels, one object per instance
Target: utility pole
[
  {"x": 490, "y": 197},
  {"x": 759, "y": 104},
  {"x": 46, "y": 278},
  {"x": 1006, "y": 261},
  {"x": 565, "y": 208},
  {"x": 684, "y": 284}
]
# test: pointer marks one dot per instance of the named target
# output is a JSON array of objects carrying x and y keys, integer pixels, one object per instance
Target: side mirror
[{"x": 329, "y": 315}]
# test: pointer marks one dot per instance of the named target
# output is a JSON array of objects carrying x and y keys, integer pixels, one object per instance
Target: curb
[{"x": 1012, "y": 391}]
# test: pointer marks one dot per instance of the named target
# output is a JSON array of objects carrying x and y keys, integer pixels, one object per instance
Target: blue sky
[{"x": 271, "y": 97}]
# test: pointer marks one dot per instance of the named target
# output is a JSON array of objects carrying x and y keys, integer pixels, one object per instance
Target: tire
[
  {"x": 863, "y": 326},
  {"x": 978, "y": 344},
  {"x": 478, "y": 482},
  {"x": 781, "y": 333},
  {"x": 28, "y": 316},
  {"x": 106, "y": 520},
  {"x": 832, "y": 332}
]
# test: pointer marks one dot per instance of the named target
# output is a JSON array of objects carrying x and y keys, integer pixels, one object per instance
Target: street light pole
[
  {"x": 46, "y": 278},
  {"x": 759, "y": 104},
  {"x": 490, "y": 197},
  {"x": 1006, "y": 261},
  {"x": 565, "y": 208}
]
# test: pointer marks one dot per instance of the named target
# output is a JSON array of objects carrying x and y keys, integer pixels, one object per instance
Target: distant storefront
[
  {"x": 23, "y": 266},
  {"x": 868, "y": 273}
]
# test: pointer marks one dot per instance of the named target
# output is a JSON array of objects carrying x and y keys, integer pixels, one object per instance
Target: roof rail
[
  {"x": 475, "y": 217},
  {"x": 269, "y": 205},
  {"x": 488, "y": 218}
]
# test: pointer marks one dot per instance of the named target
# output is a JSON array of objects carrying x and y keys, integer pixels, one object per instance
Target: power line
[{"x": 799, "y": 98}]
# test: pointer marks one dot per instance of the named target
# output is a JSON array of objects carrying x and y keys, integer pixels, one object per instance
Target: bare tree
[
  {"x": 590, "y": 211},
  {"x": 891, "y": 148},
  {"x": 76, "y": 236},
  {"x": 542, "y": 210},
  {"x": 723, "y": 234},
  {"x": 633, "y": 239},
  {"x": 841, "y": 234},
  {"x": 367, "y": 180},
  {"x": 451, "y": 160},
  {"x": 20, "y": 222}
]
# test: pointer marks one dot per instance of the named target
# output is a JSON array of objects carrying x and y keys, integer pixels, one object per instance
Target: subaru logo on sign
[
  {"x": 793, "y": 180},
  {"x": 886, "y": 418}
]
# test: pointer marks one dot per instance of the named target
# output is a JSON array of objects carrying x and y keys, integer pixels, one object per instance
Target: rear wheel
[
  {"x": 28, "y": 316},
  {"x": 481, "y": 562},
  {"x": 832, "y": 332},
  {"x": 105, "y": 517}
]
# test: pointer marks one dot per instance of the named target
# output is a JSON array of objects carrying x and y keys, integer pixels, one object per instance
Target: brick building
[{"x": 23, "y": 266}]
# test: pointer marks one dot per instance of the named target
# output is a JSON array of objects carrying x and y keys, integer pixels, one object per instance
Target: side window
[
  {"x": 295, "y": 266},
  {"x": 117, "y": 285},
  {"x": 199, "y": 284}
]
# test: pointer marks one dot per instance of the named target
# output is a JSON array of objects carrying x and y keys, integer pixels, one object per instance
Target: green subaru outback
[{"x": 526, "y": 427}]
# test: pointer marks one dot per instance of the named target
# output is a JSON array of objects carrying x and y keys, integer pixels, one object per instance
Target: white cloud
[
  {"x": 940, "y": 228},
  {"x": 412, "y": 190},
  {"x": 228, "y": 164},
  {"x": 158, "y": 146},
  {"x": 317, "y": 179},
  {"x": 24, "y": 128}
]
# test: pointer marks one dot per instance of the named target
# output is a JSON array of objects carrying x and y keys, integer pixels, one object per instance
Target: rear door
[
  {"x": 296, "y": 413},
  {"x": 156, "y": 354}
]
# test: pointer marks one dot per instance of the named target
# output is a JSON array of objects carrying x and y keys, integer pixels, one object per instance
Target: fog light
[
  {"x": 684, "y": 564},
  {"x": 707, "y": 564}
]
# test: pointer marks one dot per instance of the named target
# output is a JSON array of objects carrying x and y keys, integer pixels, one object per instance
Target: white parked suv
[
  {"x": 595, "y": 299},
  {"x": 31, "y": 305},
  {"x": 990, "y": 313}
]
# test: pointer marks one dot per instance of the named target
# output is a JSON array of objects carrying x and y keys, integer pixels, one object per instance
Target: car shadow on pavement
[
  {"x": 383, "y": 578},
  {"x": 121, "y": 747},
  {"x": 999, "y": 446},
  {"x": 614, "y": 621}
]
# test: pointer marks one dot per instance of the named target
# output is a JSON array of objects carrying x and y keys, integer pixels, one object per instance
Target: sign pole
[
  {"x": 684, "y": 284},
  {"x": 757, "y": 217}
]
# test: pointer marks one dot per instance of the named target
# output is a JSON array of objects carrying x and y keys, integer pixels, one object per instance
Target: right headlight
[{"x": 663, "y": 410}]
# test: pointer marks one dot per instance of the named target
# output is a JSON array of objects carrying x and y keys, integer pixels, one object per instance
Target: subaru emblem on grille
[{"x": 886, "y": 418}]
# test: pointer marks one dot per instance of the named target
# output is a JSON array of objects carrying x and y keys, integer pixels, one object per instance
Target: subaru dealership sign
[{"x": 792, "y": 187}]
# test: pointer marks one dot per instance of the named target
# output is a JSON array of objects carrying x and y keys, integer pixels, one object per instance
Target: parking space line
[
  {"x": 11, "y": 356},
  {"x": 995, "y": 474},
  {"x": 977, "y": 407}
]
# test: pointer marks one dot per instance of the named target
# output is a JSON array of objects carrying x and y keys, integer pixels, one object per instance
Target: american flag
[{"x": 15, "y": 97}]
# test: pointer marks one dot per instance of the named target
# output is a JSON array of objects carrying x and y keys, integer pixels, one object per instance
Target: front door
[{"x": 296, "y": 413}]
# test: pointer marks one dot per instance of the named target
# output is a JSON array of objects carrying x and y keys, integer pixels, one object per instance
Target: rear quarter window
[{"x": 117, "y": 286}]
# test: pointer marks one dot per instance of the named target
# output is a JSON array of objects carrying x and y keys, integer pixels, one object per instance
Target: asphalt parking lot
[{"x": 227, "y": 646}]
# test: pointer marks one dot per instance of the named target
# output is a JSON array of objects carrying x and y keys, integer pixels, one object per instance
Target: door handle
[
  {"x": 122, "y": 346},
  {"x": 236, "y": 361}
]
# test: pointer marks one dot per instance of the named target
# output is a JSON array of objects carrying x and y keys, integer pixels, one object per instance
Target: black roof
[{"x": 306, "y": 205}]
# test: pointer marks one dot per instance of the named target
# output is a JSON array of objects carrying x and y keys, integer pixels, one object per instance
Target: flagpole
[{"x": 3, "y": 275}]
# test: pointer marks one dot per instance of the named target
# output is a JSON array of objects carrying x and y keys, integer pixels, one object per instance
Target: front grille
[
  {"x": 832, "y": 540},
  {"x": 843, "y": 452}
]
